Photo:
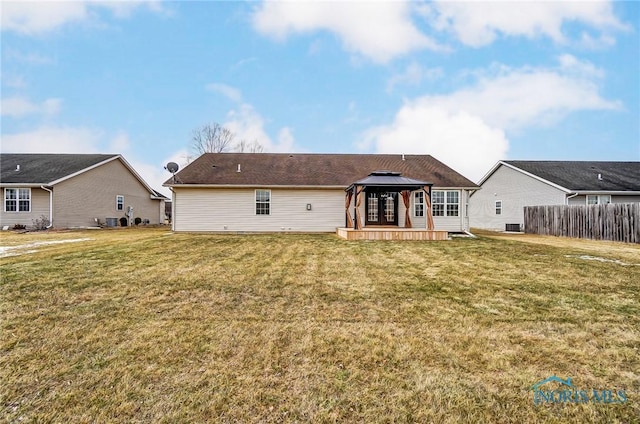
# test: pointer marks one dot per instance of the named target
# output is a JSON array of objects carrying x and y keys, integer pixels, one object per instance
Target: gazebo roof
[{"x": 390, "y": 179}]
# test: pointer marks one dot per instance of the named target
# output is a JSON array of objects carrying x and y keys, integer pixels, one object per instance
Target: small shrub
[
  {"x": 124, "y": 222},
  {"x": 41, "y": 223},
  {"x": 137, "y": 220},
  {"x": 19, "y": 227}
]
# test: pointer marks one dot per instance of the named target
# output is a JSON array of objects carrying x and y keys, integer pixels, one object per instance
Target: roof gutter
[
  {"x": 171, "y": 186},
  {"x": 30, "y": 185},
  {"x": 50, "y": 206},
  {"x": 317, "y": 187},
  {"x": 612, "y": 192}
]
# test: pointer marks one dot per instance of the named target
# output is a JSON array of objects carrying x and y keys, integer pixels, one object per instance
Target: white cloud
[
  {"x": 467, "y": 129},
  {"x": 383, "y": 30},
  {"x": 377, "y": 30},
  {"x": 571, "y": 65},
  {"x": 285, "y": 140},
  {"x": 17, "y": 107},
  {"x": 229, "y": 92},
  {"x": 478, "y": 23},
  {"x": 154, "y": 174},
  {"x": 39, "y": 17},
  {"x": 120, "y": 143},
  {"x": 596, "y": 43},
  {"x": 517, "y": 98},
  {"x": 247, "y": 124},
  {"x": 30, "y": 58},
  {"x": 460, "y": 140},
  {"x": 414, "y": 74},
  {"x": 14, "y": 81},
  {"x": 52, "y": 140}
]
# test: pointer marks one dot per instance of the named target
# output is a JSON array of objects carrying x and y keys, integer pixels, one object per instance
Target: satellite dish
[{"x": 172, "y": 167}]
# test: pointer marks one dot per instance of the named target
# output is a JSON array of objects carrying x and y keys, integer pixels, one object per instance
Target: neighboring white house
[
  {"x": 273, "y": 192},
  {"x": 512, "y": 184}
]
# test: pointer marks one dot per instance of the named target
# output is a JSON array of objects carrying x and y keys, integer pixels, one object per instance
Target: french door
[{"x": 382, "y": 208}]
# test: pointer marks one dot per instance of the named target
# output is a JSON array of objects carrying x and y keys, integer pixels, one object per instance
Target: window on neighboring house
[
  {"x": 598, "y": 199},
  {"x": 418, "y": 203},
  {"x": 17, "y": 200},
  {"x": 119, "y": 203},
  {"x": 498, "y": 207},
  {"x": 263, "y": 202},
  {"x": 445, "y": 202}
]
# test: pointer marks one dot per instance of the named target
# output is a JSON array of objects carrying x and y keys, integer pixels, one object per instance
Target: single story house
[
  {"x": 270, "y": 192},
  {"x": 74, "y": 190},
  {"x": 512, "y": 184}
]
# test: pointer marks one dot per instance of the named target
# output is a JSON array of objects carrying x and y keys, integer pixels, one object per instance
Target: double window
[
  {"x": 601, "y": 199},
  {"x": 263, "y": 202},
  {"x": 445, "y": 203},
  {"x": 17, "y": 200}
]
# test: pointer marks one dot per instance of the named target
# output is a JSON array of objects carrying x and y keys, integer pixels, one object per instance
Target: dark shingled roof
[
  {"x": 43, "y": 169},
  {"x": 583, "y": 175},
  {"x": 298, "y": 169}
]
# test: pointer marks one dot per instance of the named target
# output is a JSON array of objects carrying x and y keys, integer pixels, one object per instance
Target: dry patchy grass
[{"x": 149, "y": 326}]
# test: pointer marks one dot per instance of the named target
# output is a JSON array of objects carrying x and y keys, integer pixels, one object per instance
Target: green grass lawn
[{"x": 144, "y": 325}]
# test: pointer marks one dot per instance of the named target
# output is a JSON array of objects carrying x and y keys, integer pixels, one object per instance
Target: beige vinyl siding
[
  {"x": 624, "y": 199},
  {"x": 92, "y": 194},
  {"x": 582, "y": 199},
  {"x": 39, "y": 207},
  {"x": 515, "y": 190},
  {"x": 220, "y": 209}
]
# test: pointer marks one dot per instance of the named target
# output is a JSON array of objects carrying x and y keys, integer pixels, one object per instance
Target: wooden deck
[{"x": 391, "y": 233}]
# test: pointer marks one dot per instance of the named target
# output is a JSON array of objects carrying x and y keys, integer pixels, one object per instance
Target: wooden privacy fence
[{"x": 615, "y": 222}]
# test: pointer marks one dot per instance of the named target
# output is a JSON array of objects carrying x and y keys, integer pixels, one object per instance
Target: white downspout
[
  {"x": 173, "y": 209},
  {"x": 571, "y": 197},
  {"x": 50, "y": 206}
]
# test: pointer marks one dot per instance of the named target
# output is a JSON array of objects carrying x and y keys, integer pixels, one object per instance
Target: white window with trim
[
  {"x": 598, "y": 199},
  {"x": 418, "y": 203},
  {"x": 119, "y": 202},
  {"x": 498, "y": 207},
  {"x": 263, "y": 202},
  {"x": 17, "y": 200},
  {"x": 445, "y": 203}
]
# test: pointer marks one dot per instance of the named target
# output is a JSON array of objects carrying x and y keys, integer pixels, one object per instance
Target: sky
[{"x": 469, "y": 82}]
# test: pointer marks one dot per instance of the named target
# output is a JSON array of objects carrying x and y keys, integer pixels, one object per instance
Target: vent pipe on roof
[
  {"x": 403, "y": 156},
  {"x": 599, "y": 177},
  {"x": 17, "y": 168},
  {"x": 238, "y": 168}
]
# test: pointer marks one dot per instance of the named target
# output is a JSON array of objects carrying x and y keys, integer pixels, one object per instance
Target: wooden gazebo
[{"x": 382, "y": 190}]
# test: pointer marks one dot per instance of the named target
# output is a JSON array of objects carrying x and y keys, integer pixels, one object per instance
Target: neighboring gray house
[
  {"x": 74, "y": 190},
  {"x": 267, "y": 192},
  {"x": 512, "y": 184}
]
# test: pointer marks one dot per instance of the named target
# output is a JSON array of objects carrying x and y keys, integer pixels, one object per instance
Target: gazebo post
[
  {"x": 356, "y": 214},
  {"x": 429, "y": 214}
]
